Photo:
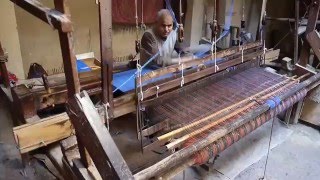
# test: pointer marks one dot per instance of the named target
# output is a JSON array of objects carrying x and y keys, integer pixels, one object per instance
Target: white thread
[
  {"x": 182, "y": 70},
  {"x": 139, "y": 69},
  {"x": 158, "y": 91},
  {"x": 241, "y": 52},
  {"x": 264, "y": 51},
  {"x": 182, "y": 76}
]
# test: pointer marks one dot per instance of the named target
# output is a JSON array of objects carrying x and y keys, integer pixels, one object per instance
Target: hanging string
[
  {"x": 137, "y": 42},
  {"x": 182, "y": 70},
  {"x": 143, "y": 26},
  {"x": 139, "y": 69},
  {"x": 157, "y": 95},
  {"x": 266, "y": 163},
  {"x": 264, "y": 51},
  {"x": 241, "y": 49}
]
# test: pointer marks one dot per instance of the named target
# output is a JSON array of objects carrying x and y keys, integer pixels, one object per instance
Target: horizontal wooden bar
[
  {"x": 52, "y": 17},
  {"x": 197, "y": 75},
  {"x": 41, "y": 133},
  {"x": 177, "y": 67}
]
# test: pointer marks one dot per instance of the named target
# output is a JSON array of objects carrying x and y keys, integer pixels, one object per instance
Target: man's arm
[{"x": 148, "y": 47}]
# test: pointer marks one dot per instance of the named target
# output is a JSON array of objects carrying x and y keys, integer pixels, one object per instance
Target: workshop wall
[
  {"x": 9, "y": 38},
  {"x": 40, "y": 43}
]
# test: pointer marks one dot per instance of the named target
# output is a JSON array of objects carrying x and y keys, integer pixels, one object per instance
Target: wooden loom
[
  {"x": 230, "y": 104},
  {"x": 213, "y": 110}
]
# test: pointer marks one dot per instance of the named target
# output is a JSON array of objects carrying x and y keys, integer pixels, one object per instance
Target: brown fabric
[
  {"x": 123, "y": 11},
  {"x": 149, "y": 47}
]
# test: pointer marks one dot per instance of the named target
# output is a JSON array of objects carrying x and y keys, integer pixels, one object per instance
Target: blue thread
[
  {"x": 271, "y": 103},
  {"x": 277, "y": 100}
]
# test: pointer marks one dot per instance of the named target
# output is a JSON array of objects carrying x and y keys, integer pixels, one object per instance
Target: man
[{"x": 153, "y": 41}]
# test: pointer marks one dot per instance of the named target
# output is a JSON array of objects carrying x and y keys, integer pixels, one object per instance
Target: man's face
[{"x": 164, "y": 26}]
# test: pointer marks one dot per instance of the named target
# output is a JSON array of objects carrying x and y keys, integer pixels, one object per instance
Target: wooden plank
[
  {"x": 97, "y": 139},
  {"x": 39, "y": 134},
  {"x": 312, "y": 20},
  {"x": 68, "y": 170},
  {"x": 50, "y": 16},
  {"x": 55, "y": 155},
  {"x": 177, "y": 67},
  {"x": 80, "y": 170},
  {"x": 297, "y": 112},
  {"x": 311, "y": 112},
  {"x": 105, "y": 24},
  {"x": 314, "y": 41}
]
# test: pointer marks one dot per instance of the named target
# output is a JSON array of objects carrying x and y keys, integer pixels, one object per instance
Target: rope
[
  {"x": 136, "y": 17},
  {"x": 226, "y": 28},
  {"x": 157, "y": 91},
  {"x": 143, "y": 26},
  {"x": 266, "y": 163},
  {"x": 214, "y": 54},
  {"x": 264, "y": 51},
  {"x": 241, "y": 49},
  {"x": 139, "y": 69},
  {"x": 182, "y": 71}
]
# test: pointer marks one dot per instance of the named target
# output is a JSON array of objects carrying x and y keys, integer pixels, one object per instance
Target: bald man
[{"x": 153, "y": 41}]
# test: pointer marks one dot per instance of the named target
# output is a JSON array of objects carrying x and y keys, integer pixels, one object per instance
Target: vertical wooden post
[
  {"x": 68, "y": 54},
  {"x": 70, "y": 69},
  {"x": 312, "y": 20},
  {"x": 3, "y": 69},
  {"x": 296, "y": 35},
  {"x": 105, "y": 22}
]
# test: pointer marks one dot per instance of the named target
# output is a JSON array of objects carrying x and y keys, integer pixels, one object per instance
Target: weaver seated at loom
[{"x": 163, "y": 39}]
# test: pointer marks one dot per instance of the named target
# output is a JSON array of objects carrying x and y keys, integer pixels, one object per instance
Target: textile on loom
[{"x": 123, "y": 11}]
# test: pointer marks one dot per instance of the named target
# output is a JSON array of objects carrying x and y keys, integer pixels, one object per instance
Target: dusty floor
[
  {"x": 294, "y": 156},
  {"x": 11, "y": 167}
]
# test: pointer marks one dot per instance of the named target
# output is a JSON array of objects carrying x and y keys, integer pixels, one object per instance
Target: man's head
[{"x": 164, "y": 23}]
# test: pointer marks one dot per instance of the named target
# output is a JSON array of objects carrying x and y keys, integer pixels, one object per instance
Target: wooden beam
[
  {"x": 312, "y": 20},
  {"x": 39, "y": 134},
  {"x": 52, "y": 17},
  {"x": 97, "y": 139},
  {"x": 105, "y": 23},
  {"x": 197, "y": 75},
  {"x": 68, "y": 54},
  {"x": 177, "y": 67},
  {"x": 314, "y": 42}
]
